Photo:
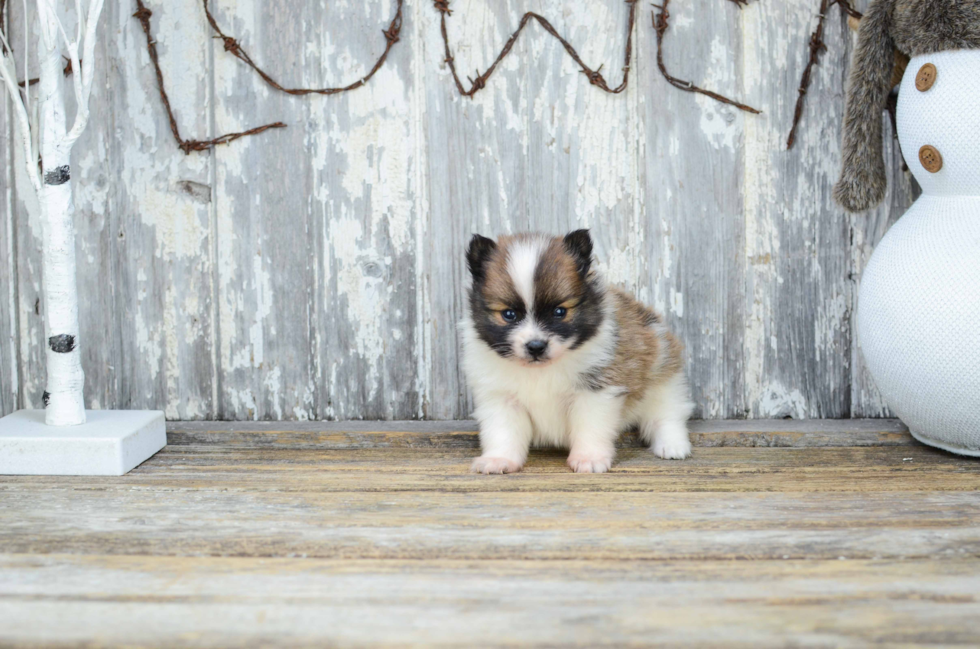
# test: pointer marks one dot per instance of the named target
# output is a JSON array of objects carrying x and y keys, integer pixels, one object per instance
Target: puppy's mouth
[{"x": 535, "y": 362}]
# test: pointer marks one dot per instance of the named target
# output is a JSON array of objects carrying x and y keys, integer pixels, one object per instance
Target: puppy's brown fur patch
[
  {"x": 498, "y": 289},
  {"x": 646, "y": 353},
  {"x": 556, "y": 278}
]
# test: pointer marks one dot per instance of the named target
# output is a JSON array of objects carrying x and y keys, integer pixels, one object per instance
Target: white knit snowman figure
[{"x": 918, "y": 316}]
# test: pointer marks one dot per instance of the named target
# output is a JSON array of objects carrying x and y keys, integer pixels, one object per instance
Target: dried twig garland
[
  {"x": 391, "y": 35},
  {"x": 595, "y": 76},
  {"x": 817, "y": 46},
  {"x": 143, "y": 15},
  {"x": 232, "y": 45},
  {"x": 660, "y": 26}
]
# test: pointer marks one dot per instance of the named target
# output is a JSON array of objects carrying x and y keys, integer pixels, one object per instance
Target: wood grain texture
[
  {"x": 722, "y": 470},
  {"x": 158, "y": 216},
  {"x": 267, "y": 268},
  {"x": 316, "y": 272},
  {"x": 725, "y": 503},
  {"x": 366, "y": 164},
  {"x": 97, "y": 256},
  {"x": 142, "y": 229},
  {"x": 349, "y": 435},
  {"x": 798, "y": 338},
  {"x": 217, "y": 544},
  {"x": 9, "y": 370},
  {"x": 202, "y": 602},
  {"x": 573, "y": 132},
  {"x": 693, "y": 253},
  {"x": 476, "y": 173},
  {"x": 26, "y": 233}
]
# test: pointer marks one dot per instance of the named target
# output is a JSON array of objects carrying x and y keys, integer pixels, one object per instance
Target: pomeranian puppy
[{"x": 556, "y": 358}]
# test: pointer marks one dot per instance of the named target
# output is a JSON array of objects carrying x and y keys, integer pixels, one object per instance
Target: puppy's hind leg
[{"x": 663, "y": 418}]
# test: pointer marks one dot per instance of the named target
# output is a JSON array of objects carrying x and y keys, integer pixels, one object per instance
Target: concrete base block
[{"x": 110, "y": 442}]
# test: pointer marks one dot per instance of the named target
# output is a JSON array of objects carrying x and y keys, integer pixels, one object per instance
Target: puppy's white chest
[{"x": 548, "y": 406}]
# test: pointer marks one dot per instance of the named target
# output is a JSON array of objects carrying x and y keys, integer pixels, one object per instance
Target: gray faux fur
[{"x": 914, "y": 27}]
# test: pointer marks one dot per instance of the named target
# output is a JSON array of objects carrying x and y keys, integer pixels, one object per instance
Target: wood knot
[{"x": 443, "y": 6}]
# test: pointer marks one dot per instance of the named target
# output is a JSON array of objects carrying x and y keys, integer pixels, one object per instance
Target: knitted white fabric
[{"x": 919, "y": 304}]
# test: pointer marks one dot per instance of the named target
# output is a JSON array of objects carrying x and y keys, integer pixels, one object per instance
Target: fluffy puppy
[{"x": 555, "y": 358}]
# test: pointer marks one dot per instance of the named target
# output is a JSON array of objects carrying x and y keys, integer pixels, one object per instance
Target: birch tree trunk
[{"x": 65, "y": 381}]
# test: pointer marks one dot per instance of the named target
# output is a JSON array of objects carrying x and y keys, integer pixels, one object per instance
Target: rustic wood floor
[{"x": 775, "y": 533}]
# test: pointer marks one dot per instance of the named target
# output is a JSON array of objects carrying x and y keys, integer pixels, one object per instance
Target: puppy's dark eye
[
  {"x": 510, "y": 315},
  {"x": 560, "y": 312}
]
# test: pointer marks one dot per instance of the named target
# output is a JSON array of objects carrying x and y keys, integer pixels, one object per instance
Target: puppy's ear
[
  {"x": 579, "y": 246},
  {"x": 477, "y": 254}
]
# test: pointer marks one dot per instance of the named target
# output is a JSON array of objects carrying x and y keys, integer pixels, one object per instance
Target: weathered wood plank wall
[
  {"x": 9, "y": 381},
  {"x": 316, "y": 272}
]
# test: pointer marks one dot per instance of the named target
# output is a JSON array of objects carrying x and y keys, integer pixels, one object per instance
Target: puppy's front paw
[
  {"x": 585, "y": 463},
  {"x": 488, "y": 465},
  {"x": 672, "y": 449}
]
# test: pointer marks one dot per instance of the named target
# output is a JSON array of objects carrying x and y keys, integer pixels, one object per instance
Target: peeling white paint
[
  {"x": 761, "y": 237},
  {"x": 361, "y": 287},
  {"x": 719, "y": 121},
  {"x": 677, "y": 302},
  {"x": 777, "y": 402},
  {"x": 391, "y": 180}
]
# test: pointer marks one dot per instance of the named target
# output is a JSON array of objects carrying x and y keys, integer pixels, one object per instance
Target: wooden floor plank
[
  {"x": 410, "y": 503},
  {"x": 495, "y": 529},
  {"x": 885, "y": 468},
  {"x": 347, "y": 435},
  {"x": 769, "y": 535},
  {"x": 203, "y": 602}
]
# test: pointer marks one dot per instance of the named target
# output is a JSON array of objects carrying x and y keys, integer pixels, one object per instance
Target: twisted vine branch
[
  {"x": 143, "y": 15},
  {"x": 392, "y": 36},
  {"x": 232, "y": 45},
  {"x": 594, "y": 76},
  {"x": 817, "y": 47},
  {"x": 660, "y": 24}
]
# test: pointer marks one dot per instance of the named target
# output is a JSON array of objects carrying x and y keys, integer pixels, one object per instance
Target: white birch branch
[
  {"x": 8, "y": 71},
  {"x": 63, "y": 398},
  {"x": 86, "y": 75}
]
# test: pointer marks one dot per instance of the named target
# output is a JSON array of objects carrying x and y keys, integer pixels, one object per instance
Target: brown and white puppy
[{"x": 555, "y": 358}]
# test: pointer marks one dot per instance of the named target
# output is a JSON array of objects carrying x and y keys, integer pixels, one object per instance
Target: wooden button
[
  {"x": 926, "y": 77},
  {"x": 931, "y": 159}
]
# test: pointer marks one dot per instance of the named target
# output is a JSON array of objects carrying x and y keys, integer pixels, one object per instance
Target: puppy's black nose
[{"x": 536, "y": 347}]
